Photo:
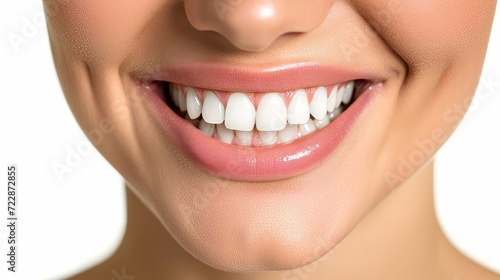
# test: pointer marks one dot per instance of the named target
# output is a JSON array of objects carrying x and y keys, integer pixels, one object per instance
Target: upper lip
[{"x": 252, "y": 79}]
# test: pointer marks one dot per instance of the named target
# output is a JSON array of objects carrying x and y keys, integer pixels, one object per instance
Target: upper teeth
[{"x": 275, "y": 112}]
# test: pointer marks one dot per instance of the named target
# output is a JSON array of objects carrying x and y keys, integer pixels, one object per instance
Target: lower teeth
[{"x": 257, "y": 138}]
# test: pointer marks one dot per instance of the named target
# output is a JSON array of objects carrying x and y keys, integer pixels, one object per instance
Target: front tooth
[
  {"x": 206, "y": 128},
  {"x": 182, "y": 101},
  {"x": 332, "y": 99},
  {"x": 322, "y": 123},
  {"x": 271, "y": 114},
  {"x": 349, "y": 90},
  {"x": 307, "y": 128},
  {"x": 193, "y": 104},
  {"x": 340, "y": 96},
  {"x": 240, "y": 113},
  {"x": 319, "y": 103},
  {"x": 212, "y": 110},
  {"x": 225, "y": 135},
  {"x": 298, "y": 109},
  {"x": 288, "y": 134},
  {"x": 244, "y": 137},
  {"x": 267, "y": 137}
]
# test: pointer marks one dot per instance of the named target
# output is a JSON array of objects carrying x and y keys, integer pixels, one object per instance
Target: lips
[{"x": 248, "y": 135}]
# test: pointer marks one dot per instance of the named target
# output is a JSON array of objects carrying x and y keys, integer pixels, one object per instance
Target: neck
[{"x": 397, "y": 239}]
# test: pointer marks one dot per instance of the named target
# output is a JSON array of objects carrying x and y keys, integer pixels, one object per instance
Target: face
[{"x": 253, "y": 129}]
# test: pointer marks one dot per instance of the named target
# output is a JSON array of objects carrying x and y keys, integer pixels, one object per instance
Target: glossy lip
[
  {"x": 259, "y": 79},
  {"x": 269, "y": 163}
]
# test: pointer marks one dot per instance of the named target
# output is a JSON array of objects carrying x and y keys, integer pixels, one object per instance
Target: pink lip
[
  {"x": 277, "y": 162},
  {"x": 280, "y": 79}
]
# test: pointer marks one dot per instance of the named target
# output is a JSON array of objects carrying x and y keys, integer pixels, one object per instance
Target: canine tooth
[
  {"x": 240, "y": 113},
  {"x": 340, "y": 96},
  {"x": 193, "y": 104},
  {"x": 206, "y": 128},
  {"x": 349, "y": 91},
  {"x": 271, "y": 114},
  {"x": 267, "y": 137},
  {"x": 298, "y": 109},
  {"x": 244, "y": 137},
  {"x": 288, "y": 134},
  {"x": 308, "y": 128},
  {"x": 332, "y": 99},
  {"x": 212, "y": 110},
  {"x": 322, "y": 123},
  {"x": 319, "y": 103},
  {"x": 225, "y": 135},
  {"x": 182, "y": 101}
]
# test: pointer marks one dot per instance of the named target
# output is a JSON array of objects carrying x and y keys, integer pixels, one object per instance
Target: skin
[{"x": 383, "y": 223}]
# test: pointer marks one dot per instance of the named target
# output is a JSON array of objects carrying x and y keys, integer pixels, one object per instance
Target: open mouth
[
  {"x": 261, "y": 119},
  {"x": 235, "y": 123}
]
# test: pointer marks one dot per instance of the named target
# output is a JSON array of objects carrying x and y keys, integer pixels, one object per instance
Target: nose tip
[{"x": 253, "y": 25}]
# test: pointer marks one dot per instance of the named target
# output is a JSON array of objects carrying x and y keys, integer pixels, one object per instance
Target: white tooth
[
  {"x": 322, "y": 123},
  {"x": 225, "y": 135},
  {"x": 307, "y": 128},
  {"x": 349, "y": 90},
  {"x": 193, "y": 104},
  {"x": 267, "y": 137},
  {"x": 206, "y": 128},
  {"x": 298, "y": 109},
  {"x": 271, "y": 114},
  {"x": 240, "y": 113},
  {"x": 332, "y": 99},
  {"x": 244, "y": 137},
  {"x": 288, "y": 134},
  {"x": 319, "y": 103},
  {"x": 182, "y": 101},
  {"x": 340, "y": 96},
  {"x": 212, "y": 110},
  {"x": 335, "y": 113}
]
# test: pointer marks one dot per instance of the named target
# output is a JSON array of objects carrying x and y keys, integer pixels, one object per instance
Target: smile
[
  {"x": 250, "y": 134},
  {"x": 260, "y": 119}
]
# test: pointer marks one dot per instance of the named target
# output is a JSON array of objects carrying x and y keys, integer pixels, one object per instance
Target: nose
[{"x": 253, "y": 25}]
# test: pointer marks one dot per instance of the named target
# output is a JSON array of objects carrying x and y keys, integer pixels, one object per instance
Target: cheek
[
  {"x": 429, "y": 31},
  {"x": 99, "y": 31}
]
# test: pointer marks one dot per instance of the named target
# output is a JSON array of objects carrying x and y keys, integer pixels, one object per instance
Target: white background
[{"x": 68, "y": 224}]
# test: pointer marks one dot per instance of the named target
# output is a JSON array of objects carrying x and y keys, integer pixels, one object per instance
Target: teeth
[
  {"x": 340, "y": 96},
  {"x": 319, "y": 103},
  {"x": 182, "y": 101},
  {"x": 225, "y": 135},
  {"x": 193, "y": 104},
  {"x": 274, "y": 123},
  {"x": 322, "y": 123},
  {"x": 332, "y": 100},
  {"x": 206, "y": 128},
  {"x": 244, "y": 137},
  {"x": 288, "y": 134},
  {"x": 240, "y": 113},
  {"x": 307, "y": 128},
  {"x": 267, "y": 138},
  {"x": 271, "y": 114},
  {"x": 212, "y": 110},
  {"x": 298, "y": 109},
  {"x": 349, "y": 90}
]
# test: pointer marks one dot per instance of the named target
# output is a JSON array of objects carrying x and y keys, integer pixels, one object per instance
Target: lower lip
[{"x": 239, "y": 163}]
